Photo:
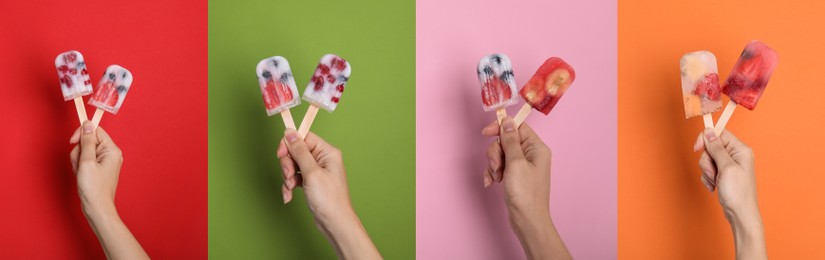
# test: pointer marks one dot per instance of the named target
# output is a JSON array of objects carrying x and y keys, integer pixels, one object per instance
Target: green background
[{"x": 374, "y": 125}]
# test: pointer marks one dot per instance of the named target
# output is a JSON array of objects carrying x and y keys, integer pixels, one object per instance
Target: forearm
[
  {"x": 348, "y": 236},
  {"x": 748, "y": 234},
  {"x": 538, "y": 235},
  {"x": 115, "y": 238}
]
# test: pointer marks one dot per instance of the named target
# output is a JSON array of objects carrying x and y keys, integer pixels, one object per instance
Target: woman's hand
[
  {"x": 96, "y": 162},
  {"x": 318, "y": 167},
  {"x": 728, "y": 166},
  {"x": 522, "y": 162}
]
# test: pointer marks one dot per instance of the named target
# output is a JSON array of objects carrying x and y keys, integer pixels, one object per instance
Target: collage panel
[{"x": 372, "y": 122}]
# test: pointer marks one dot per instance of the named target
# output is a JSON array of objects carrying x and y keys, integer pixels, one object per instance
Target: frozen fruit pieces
[
  {"x": 74, "y": 78},
  {"x": 498, "y": 84},
  {"x": 328, "y": 82},
  {"x": 548, "y": 84},
  {"x": 277, "y": 85},
  {"x": 750, "y": 75},
  {"x": 112, "y": 89},
  {"x": 700, "y": 83}
]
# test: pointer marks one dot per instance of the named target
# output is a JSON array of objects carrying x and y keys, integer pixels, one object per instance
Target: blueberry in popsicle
[
  {"x": 278, "y": 88},
  {"x": 544, "y": 90},
  {"x": 498, "y": 84},
  {"x": 111, "y": 91},
  {"x": 74, "y": 80},
  {"x": 325, "y": 88},
  {"x": 748, "y": 79},
  {"x": 700, "y": 85}
]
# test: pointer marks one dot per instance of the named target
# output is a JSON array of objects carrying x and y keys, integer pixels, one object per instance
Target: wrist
[{"x": 99, "y": 210}]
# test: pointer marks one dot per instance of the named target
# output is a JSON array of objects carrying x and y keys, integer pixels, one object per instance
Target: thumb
[
  {"x": 510, "y": 141},
  {"x": 88, "y": 143},
  {"x": 717, "y": 150},
  {"x": 299, "y": 151}
]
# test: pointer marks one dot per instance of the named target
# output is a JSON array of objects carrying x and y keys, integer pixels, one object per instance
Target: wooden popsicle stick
[
  {"x": 309, "y": 117},
  {"x": 81, "y": 110},
  {"x": 501, "y": 113},
  {"x": 288, "y": 121},
  {"x": 723, "y": 120},
  {"x": 96, "y": 118},
  {"x": 522, "y": 114},
  {"x": 708, "y": 118}
]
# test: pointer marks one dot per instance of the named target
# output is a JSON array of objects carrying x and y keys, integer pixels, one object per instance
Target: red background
[{"x": 161, "y": 128}]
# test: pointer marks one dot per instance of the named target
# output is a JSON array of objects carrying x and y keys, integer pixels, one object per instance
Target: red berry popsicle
[
  {"x": 325, "y": 88},
  {"x": 278, "y": 88},
  {"x": 700, "y": 85},
  {"x": 546, "y": 87},
  {"x": 74, "y": 80},
  {"x": 748, "y": 79},
  {"x": 111, "y": 91},
  {"x": 498, "y": 84}
]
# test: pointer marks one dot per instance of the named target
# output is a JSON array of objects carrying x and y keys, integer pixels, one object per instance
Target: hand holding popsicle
[
  {"x": 111, "y": 91},
  {"x": 727, "y": 166},
  {"x": 521, "y": 161},
  {"x": 278, "y": 88},
  {"x": 545, "y": 88},
  {"x": 324, "y": 183},
  {"x": 74, "y": 80},
  {"x": 96, "y": 162},
  {"x": 748, "y": 79},
  {"x": 325, "y": 88},
  {"x": 700, "y": 85},
  {"x": 498, "y": 83}
]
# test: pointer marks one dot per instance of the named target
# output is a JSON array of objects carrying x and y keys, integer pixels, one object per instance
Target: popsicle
[
  {"x": 325, "y": 88},
  {"x": 700, "y": 85},
  {"x": 278, "y": 88},
  {"x": 545, "y": 88},
  {"x": 74, "y": 80},
  {"x": 111, "y": 91},
  {"x": 748, "y": 79},
  {"x": 498, "y": 83}
]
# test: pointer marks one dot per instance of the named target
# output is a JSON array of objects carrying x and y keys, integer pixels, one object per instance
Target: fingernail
[
  {"x": 283, "y": 169},
  {"x": 508, "y": 125},
  {"x": 286, "y": 197},
  {"x": 289, "y": 183},
  {"x": 710, "y": 135},
  {"x": 493, "y": 165},
  {"x": 707, "y": 185},
  {"x": 88, "y": 128},
  {"x": 291, "y": 135},
  {"x": 487, "y": 181}
]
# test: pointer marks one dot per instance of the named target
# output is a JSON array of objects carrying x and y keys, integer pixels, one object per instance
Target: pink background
[{"x": 455, "y": 217}]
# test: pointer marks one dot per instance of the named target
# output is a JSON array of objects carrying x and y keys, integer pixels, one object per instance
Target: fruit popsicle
[
  {"x": 111, "y": 91},
  {"x": 545, "y": 88},
  {"x": 498, "y": 83},
  {"x": 74, "y": 80},
  {"x": 325, "y": 88},
  {"x": 278, "y": 88},
  {"x": 700, "y": 85},
  {"x": 748, "y": 79}
]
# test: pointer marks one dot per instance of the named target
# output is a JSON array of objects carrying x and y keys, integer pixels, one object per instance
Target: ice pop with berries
[
  {"x": 111, "y": 91},
  {"x": 325, "y": 88},
  {"x": 545, "y": 88},
  {"x": 278, "y": 88},
  {"x": 74, "y": 80},
  {"x": 498, "y": 83},
  {"x": 748, "y": 79},
  {"x": 700, "y": 85}
]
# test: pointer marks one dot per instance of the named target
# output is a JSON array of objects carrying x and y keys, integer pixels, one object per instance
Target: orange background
[{"x": 664, "y": 210}]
